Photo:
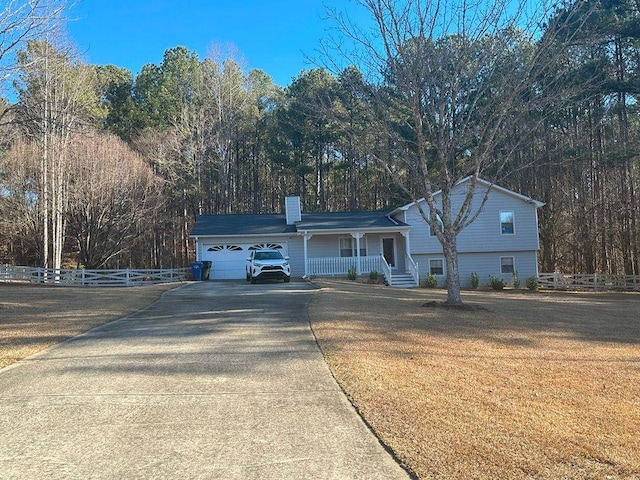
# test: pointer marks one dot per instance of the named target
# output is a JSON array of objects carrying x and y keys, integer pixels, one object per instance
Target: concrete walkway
[{"x": 216, "y": 380}]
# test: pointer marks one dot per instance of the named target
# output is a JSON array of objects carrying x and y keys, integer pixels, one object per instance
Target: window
[
  {"x": 436, "y": 266},
  {"x": 266, "y": 246},
  {"x": 348, "y": 247},
  {"x": 432, "y": 232},
  {"x": 507, "y": 265},
  {"x": 219, "y": 248},
  {"x": 506, "y": 223},
  {"x": 270, "y": 255}
]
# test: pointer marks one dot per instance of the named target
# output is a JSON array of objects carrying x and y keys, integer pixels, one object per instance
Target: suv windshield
[{"x": 268, "y": 256}]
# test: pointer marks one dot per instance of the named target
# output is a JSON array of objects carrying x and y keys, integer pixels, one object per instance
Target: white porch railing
[
  {"x": 332, "y": 266},
  {"x": 412, "y": 268},
  {"x": 85, "y": 277}
]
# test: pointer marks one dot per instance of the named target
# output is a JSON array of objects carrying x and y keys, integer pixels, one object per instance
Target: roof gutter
[
  {"x": 329, "y": 231},
  {"x": 246, "y": 235}
]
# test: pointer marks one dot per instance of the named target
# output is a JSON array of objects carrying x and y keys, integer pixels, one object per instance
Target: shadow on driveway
[{"x": 214, "y": 380}]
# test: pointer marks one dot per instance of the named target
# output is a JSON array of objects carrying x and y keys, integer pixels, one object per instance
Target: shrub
[
  {"x": 475, "y": 280},
  {"x": 352, "y": 273},
  {"x": 373, "y": 275},
  {"x": 430, "y": 281},
  {"x": 496, "y": 283},
  {"x": 516, "y": 280},
  {"x": 532, "y": 283}
]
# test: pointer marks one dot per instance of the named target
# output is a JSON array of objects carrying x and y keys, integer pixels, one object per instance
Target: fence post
[{"x": 128, "y": 277}]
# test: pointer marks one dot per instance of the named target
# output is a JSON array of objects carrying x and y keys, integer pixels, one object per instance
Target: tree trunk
[{"x": 450, "y": 251}]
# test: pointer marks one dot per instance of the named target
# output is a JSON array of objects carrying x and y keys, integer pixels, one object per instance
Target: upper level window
[
  {"x": 348, "y": 247},
  {"x": 507, "y": 226},
  {"x": 432, "y": 232}
]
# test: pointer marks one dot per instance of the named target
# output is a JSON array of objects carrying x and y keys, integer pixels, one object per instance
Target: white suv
[{"x": 267, "y": 263}]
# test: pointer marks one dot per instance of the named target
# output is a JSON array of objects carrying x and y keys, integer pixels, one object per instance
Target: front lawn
[
  {"x": 529, "y": 385},
  {"x": 34, "y": 317}
]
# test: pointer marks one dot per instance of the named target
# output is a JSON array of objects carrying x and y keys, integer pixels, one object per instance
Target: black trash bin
[
  {"x": 196, "y": 271},
  {"x": 206, "y": 269}
]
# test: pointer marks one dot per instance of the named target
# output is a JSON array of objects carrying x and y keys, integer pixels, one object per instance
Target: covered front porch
[{"x": 336, "y": 253}]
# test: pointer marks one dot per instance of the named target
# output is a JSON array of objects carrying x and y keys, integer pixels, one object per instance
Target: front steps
[{"x": 402, "y": 280}]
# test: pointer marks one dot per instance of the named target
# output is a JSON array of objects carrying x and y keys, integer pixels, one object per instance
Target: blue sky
[{"x": 272, "y": 35}]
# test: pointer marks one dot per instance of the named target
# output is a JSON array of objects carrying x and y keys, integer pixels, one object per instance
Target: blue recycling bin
[{"x": 196, "y": 271}]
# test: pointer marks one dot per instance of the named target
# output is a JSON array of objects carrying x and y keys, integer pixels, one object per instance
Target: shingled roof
[
  {"x": 346, "y": 221},
  {"x": 230, "y": 225},
  {"x": 274, "y": 224}
]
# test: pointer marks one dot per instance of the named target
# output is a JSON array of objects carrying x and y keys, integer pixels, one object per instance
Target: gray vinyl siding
[
  {"x": 296, "y": 256},
  {"x": 482, "y": 243},
  {"x": 484, "y": 234},
  {"x": 488, "y": 264},
  {"x": 485, "y": 265},
  {"x": 328, "y": 245},
  {"x": 321, "y": 246}
]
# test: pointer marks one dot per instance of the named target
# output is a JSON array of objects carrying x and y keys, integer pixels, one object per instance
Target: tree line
[{"x": 100, "y": 168}]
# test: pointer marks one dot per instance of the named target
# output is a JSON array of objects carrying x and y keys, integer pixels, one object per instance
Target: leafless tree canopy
[
  {"x": 24, "y": 20},
  {"x": 113, "y": 196},
  {"x": 452, "y": 77}
]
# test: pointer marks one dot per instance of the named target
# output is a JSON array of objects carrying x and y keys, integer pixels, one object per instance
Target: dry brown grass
[
  {"x": 34, "y": 317},
  {"x": 537, "y": 386}
]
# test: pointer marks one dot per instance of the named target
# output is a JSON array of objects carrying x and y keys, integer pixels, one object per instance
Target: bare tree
[
  {"x": 20, "y": 225},
  {"x": 451, "y": 78},
  {"x": 22, "y": 21},
  {"x": 56, "y": 97},
  {"x": 112, "y": 195}
]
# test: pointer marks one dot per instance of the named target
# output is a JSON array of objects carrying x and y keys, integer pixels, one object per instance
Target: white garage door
[{"x": 228, "y": 260}]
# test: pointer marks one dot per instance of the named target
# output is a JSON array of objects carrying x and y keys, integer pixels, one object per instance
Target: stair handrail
[
  {"x": 413, "y": 269},
  {"x": 386, "y": 269}
]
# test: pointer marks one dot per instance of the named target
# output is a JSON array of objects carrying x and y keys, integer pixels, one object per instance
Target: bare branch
[{"x": 21, "y": 21}]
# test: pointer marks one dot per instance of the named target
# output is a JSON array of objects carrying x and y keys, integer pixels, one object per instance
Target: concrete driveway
[{"x": 216, "y": 380}]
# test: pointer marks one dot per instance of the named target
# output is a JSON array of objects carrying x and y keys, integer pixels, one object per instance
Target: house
[{"x": 398, "y": 244}]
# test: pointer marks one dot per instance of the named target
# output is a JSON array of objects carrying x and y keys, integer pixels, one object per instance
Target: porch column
[
  {"x": 306, "y": 260},
  {"x": 407, "y": 243},
  {"x": 358, "y": 236},
  {"x": 409, "y": 263}
]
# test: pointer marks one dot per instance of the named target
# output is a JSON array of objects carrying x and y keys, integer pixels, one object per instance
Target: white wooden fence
[
  {"x": 84, "y": 277},
  {"x": 593, "y": 282}
]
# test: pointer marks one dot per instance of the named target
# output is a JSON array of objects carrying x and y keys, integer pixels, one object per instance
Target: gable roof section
[
  {"x": 275, "y": 224},
  {"x": 241, "y": 224},
  {"x": 480, "y": 181},
  {"x": 347, "y": 221}
]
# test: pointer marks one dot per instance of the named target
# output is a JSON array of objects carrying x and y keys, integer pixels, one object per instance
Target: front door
[{"x": 389, "y": 251}]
